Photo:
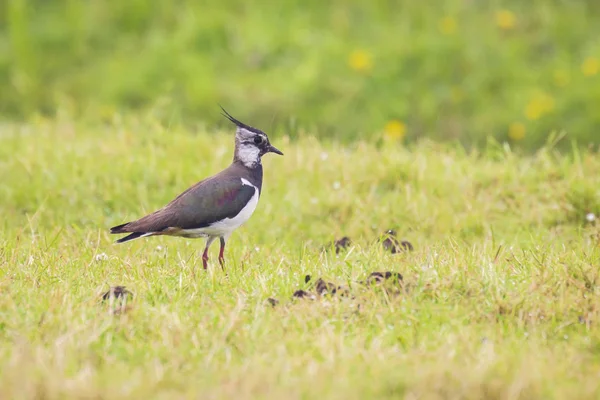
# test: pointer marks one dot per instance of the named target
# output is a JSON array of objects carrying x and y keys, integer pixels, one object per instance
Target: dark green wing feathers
[
  {"x": 208, "y": 201},
  {"x": 212, "y": 201}
]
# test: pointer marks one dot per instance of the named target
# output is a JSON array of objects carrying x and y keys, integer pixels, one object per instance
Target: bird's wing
[{"x": 208, "y": 201}]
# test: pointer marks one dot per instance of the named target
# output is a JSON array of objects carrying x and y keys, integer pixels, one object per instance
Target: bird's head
[{"x": 250, "y": 143}]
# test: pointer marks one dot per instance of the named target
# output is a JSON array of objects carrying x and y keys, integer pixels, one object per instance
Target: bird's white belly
[{"x": 228, "y": 225}]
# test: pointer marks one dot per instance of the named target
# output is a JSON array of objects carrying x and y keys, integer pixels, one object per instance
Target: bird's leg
[
  {"x": 205, "y": 258},
  {"x": 221, "y": 256},
  {"x": 205, "y": 254}
]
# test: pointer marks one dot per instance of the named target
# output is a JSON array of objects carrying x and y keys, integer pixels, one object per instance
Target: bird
[{"x": 216, "y": 206}]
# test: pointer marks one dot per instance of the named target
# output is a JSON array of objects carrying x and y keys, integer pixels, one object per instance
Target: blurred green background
[{"x": 376, "y": 70}]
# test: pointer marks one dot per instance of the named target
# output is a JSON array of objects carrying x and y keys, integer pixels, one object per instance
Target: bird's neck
[
  {"x": 248, "y": 155},
  {"x": 253, "y": 174}
]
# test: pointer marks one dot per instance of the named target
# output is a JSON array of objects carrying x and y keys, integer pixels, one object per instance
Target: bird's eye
[{"x": 258, "y": 139}]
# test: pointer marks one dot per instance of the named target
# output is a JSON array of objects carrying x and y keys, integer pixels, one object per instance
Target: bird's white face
[{"x": 250, "y": 146}]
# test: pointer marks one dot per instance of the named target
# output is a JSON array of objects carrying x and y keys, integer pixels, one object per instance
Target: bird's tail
[
  {"x": 119, "y": 228},
  {"x": 122, "y": 229}
]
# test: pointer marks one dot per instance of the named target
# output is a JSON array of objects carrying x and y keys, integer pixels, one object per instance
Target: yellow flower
[
  {"x": 505, "y": 19},
  {"x": 516, "y": 131},
  {"x": 447, "y": 25},
  {"x": 360, "y": 61},
  {"x": 591, "y": 66},
  {"x": 538, "y": 106},
  {"x": 394, "y": 130},
  {"x": 533, "y": 111},
  {"x": 561, "y": 78}
]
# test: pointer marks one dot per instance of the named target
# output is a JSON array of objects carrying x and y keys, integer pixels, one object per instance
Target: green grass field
[
  {"x": 343, "y": 69},
  {"x": 500, "y": 296},
  {"x": 469, "y": 127}
]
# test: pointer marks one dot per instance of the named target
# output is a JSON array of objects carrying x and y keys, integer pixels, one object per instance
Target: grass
[
  {"x": 501, "y": 296},
  {"x": 342, "y": 69}
]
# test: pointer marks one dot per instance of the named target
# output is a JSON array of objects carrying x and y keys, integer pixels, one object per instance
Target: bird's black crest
[{"x": 238, "y": 123}]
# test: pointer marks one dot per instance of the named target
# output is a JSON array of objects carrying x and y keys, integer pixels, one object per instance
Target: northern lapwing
[{"x": 216, "y": 206}]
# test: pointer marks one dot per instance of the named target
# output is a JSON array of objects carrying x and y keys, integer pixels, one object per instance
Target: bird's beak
[{"x": 273, "y": 149}]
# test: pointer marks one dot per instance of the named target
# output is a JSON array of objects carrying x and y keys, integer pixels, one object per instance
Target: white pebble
[{"x": 590, "y": 217}]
